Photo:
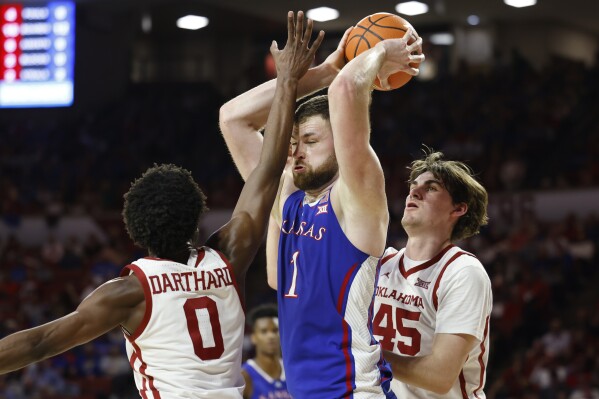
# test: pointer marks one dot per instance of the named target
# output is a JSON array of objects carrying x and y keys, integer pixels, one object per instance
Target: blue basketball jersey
[
  {"x": 263, "y": 385},
  {"x": 325, "y": 295}
]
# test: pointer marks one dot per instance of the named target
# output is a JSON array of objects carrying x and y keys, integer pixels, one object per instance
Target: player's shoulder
[
  {"x": 206, "y": 254},
  {"x": 391, "y": 255},
  {"x": 465, "y": 264}
]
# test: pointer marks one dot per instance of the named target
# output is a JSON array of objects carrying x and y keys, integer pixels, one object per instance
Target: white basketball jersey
[
  {"x": 189, "y": 342},
  {"x": 450, "y": 293}
]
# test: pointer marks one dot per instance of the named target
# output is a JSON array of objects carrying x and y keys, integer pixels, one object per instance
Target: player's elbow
[
  {"x": 443, "y": 383},
  {"x": 441, "y": 387},
  {"x": 346, "y": 88},
  {"x": 224, "y": 119},
  {"x": 342, "y": 87}
]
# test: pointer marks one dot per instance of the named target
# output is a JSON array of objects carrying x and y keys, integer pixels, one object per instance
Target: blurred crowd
[{"x": 519, "y": 128}]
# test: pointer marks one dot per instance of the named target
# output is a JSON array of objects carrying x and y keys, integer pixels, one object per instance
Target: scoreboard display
[{"x": 37, "y": 49}]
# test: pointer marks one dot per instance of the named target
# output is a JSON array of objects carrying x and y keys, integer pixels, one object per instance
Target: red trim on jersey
[
  {"x": 157, "y": 258},
  {"x": 386, "y": 258},
  {"x": 142, "y": 371},
  {"x": 141, "y": 276},
  {"x": 450, "y": 261},
  {"x": 480, "y": 357},
  {"x": 345, "y": 342},
  {"x": 463, "y": 385},
  {"x": 344, "y": 287},
  {"x": 201, "y": 254},
  {"x": 348, "y": 364},
  {"x": 224, "y": 258},
  {"x": 424, "y": 265}
]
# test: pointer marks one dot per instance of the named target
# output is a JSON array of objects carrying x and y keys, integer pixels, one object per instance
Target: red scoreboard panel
[{"x": 37, "y": 49}]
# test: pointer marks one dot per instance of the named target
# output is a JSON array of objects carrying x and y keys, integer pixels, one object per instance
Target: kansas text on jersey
[{"x": 325, "y": 294}]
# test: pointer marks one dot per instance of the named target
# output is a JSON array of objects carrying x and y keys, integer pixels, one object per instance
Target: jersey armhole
[
  {"x": 141, "y": 276},
  {"x": 233, "y": 277}
]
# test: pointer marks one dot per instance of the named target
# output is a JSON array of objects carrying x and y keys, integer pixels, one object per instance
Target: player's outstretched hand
[
  {"x": 400, "y": 56},
  {"x": 293, "y": 61}
]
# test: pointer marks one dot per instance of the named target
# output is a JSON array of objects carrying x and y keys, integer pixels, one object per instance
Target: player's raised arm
[
  {"x": 361, "y": 188},
  {"x": 242, "y": 117},
  {"x": 107, "y": 307},
  {"x": 242, "y": 236}
]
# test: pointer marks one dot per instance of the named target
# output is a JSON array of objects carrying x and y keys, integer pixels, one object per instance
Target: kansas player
[
  {"x": 181, "y": 308},
  {"x": 332, "y": 217},
  {"x": 433, "y": 300},
  {"x": 264, "y": 374}
]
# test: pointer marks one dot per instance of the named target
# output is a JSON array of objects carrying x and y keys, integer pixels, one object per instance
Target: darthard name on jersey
[{"x": 201, "y": 280}]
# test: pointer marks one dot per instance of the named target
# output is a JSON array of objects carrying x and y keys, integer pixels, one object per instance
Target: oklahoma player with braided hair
[{"x": 433, "y": 300}]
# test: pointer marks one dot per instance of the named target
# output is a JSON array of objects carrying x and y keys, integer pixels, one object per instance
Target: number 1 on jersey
[{"x": 291, "y": 293}]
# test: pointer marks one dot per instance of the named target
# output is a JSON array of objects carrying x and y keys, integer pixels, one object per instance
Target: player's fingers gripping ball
[{"x": 373, "y": 29}]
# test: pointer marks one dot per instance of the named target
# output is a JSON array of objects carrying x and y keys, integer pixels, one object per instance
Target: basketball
[{"x": 371, "y": 30}]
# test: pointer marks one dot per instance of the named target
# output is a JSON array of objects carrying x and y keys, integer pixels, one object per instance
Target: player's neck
[
  {"x": 271, "y": 364},
  {"x": 180, "y": 256},
  {"x": 425, "y": 247},
  {"x": 313, "y": 195}
]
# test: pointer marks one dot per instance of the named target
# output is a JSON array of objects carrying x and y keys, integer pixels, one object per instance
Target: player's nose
[
  {"x": 415, "y": 192},
  {"x": 299, "y": 153}
]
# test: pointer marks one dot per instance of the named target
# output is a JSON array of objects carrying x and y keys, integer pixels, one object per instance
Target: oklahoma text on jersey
[{"x": 406, "y": 299}]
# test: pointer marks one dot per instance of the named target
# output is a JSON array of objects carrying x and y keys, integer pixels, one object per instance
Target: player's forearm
[
  {"x": 21, "y": 349},
  {"x": 242, "y": 117},
  {"x": 279, "y": 126},
  {"x": 250, "y": 110},
  {"x": 424, "y": 372},
  {"x": 360, "y": 73}
]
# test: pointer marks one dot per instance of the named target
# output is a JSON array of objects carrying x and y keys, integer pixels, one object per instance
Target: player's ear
[{"x": 459, "y": 209}]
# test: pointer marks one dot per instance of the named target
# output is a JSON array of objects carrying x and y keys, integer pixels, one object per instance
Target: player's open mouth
[{"x": 411, "y": 205}]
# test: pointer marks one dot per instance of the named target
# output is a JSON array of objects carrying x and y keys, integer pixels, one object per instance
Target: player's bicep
[
  {"x": 359, "y": 166},
  {"x": 245, "y": 148}
]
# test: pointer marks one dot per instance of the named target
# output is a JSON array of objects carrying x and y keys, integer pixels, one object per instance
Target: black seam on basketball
[
  {"x": 375, "y": 23},
  {"x": 359, "y": 42},
  {"x": 367, "y": 30}
]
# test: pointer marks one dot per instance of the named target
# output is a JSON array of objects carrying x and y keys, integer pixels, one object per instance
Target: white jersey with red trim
[
  {"x": 450, "y": 293},
  {"x": 189, "y": 343}
]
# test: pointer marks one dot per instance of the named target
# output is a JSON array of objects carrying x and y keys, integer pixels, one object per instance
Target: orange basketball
[{"x": 371, "y": 30}]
